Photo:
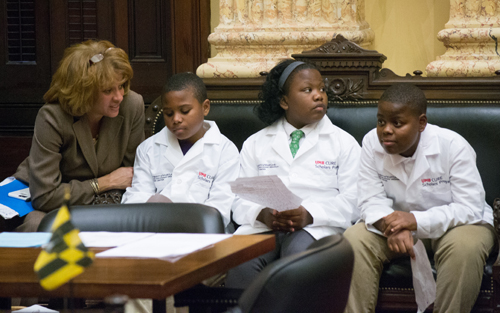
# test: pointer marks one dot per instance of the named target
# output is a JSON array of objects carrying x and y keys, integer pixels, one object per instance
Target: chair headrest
[
  {"x": 316, "y": 280},
  {"x": 143, "y": 217}
]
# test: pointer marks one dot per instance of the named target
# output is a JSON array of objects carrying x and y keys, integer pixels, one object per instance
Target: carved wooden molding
[
  {"x": 341, "y": 53},
  {"x": 340, "y": 89},
  {"x": 340, "y": 45},
  {"x": 345, "y": 63},
  {"x": 355, "y": 73}
]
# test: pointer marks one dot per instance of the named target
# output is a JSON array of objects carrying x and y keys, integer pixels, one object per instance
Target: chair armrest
[
  {"x": 496, "y": 217},
  {"x": 496, "y": 222}
]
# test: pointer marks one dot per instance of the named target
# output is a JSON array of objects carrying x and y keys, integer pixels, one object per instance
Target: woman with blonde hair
[{"x": 86, "y": 134}]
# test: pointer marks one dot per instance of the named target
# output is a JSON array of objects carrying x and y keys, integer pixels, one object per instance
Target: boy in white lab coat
[
  {"x": 418, "y": 180},
  {"x": 189, "y": 160},
  {"x": 321, "y": 167}
]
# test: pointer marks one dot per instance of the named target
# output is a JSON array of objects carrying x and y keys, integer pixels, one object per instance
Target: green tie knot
[{"x": 294, "y": 145}]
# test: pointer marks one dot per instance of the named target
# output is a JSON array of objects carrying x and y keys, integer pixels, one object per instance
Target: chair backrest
[
  {"x": 477, "y": 121},
  {"x": 143, "y": 217},
  {"x": 235, "y": 119},
  {"x": 316, "y": 280}
]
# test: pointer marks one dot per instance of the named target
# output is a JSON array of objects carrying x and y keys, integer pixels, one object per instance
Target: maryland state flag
[{"x": 65, "y": 256}]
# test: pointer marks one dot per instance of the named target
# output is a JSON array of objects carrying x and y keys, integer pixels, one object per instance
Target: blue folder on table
[
  {"x": 20, "y": 206},
  {"x": 23, "y": 240}
]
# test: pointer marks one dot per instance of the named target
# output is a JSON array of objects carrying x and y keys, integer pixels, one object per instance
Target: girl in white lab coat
[
  {"x": 418, "y": 180},
  {"x": 189, "y": 160},
  {"x": 320, "y": 165}
]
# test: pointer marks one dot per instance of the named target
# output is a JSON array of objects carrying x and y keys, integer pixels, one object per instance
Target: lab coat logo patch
[
  {"x": 434, "y": 181},
  {"x": 161, "y": 177},
  {"x": 386, "y": 178},
  {"x": 326, "y": 165},
  {"x": 205, "y": 177},
  {"x": 263, "y": 167}
]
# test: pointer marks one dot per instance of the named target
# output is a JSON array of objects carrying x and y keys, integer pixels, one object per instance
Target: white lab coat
[
  {"x": 200, "y": 176},
  {"x": 443, "y": 190},
  {"x": 323, "y": 173}
]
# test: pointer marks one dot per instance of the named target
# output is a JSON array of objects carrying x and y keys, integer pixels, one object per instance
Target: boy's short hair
[
  {"x": 184, "y": 81},
  {"x": 407, "y": 94}
]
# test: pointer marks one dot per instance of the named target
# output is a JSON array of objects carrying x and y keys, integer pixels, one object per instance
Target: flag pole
[{"x": 71, "y": 297}]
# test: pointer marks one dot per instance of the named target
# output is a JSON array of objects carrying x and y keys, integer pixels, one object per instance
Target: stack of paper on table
[
  {"x": 268, "y": 191},
  {"x": 110, "y": 239},
  {"x": 35, "y": 309},
  {"x": 23, "y": 240},
  {"x": 170, "y": 246},
  {"x": 89, "y": 239}
]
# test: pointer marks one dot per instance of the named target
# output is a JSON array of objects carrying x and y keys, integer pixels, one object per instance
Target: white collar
[
  {"x": 397, "y": 158},
  {"x": 289, "y": 128},
  {"x": 211, "y": 136}
]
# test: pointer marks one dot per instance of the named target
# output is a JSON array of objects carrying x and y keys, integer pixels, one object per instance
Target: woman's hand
[{"x": 120, "y": 178}]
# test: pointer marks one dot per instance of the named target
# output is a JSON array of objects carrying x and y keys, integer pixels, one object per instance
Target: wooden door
[{"x": 162, "y": 37}]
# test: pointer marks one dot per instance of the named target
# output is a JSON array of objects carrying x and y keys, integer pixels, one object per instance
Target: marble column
[
  {"x": 254, "y": 35},
  {"x": 471, "y": 39}
]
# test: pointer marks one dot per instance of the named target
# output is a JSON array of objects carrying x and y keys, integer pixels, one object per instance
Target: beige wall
[
  {"x": 214, "y": 18},
  {"x": 405, "y": 31}
]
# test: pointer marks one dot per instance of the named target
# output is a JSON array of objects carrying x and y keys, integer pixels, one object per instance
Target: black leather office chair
[
  {"x": 316, "y": 280},
  {"x": 143, "y": 217}
]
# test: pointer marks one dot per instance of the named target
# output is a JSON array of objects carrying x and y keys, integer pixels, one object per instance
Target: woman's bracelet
[{"x": 95, "y": 185}]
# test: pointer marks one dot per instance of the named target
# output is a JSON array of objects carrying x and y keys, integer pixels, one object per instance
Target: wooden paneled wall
[{"x": 162, "y": 37}]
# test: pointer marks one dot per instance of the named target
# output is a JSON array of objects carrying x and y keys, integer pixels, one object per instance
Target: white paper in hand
[
  {"x": 423, "y": 280},
  {"x": 268, "y": 191},
  {"x": 159, "y": 198}
]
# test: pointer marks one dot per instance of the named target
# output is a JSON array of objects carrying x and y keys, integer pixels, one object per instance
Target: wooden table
[{"x": 137, "y": 278}]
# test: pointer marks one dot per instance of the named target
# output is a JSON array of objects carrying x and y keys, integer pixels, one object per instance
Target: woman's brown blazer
[{"x": 62, "y": 152}]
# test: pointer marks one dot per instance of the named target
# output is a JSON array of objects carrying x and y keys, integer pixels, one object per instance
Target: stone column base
[
  {"x": 470, "y": 52},
  {"x": 465, "y": 68},
  {"x": 246, "y": 54}
]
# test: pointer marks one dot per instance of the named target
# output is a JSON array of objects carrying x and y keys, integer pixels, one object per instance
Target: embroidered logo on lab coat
[
  {"x": 205, "y": 177},
  {"x": 326, "y": 165},
  {"x": 263, "y": 167},
  {"x": 161, "y": 177},
  {"x": 434, "y": 181},
  {"x": 386, "y": 178}
]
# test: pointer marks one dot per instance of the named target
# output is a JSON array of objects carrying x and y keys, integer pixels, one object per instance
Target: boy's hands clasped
[
  {"x": 399, "y": 220},
  {"x": 401, "y": 242},
  {"x": 397, "y": 227},
  {"x": 286, "y": 221}
]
